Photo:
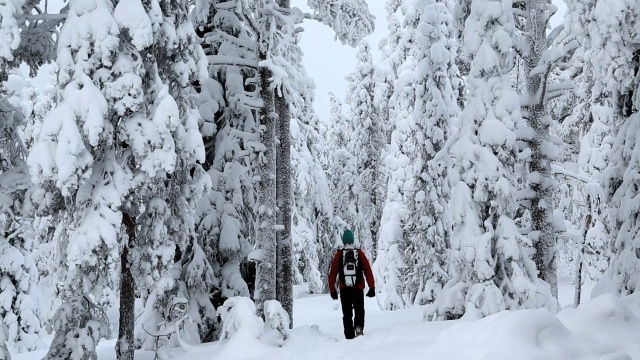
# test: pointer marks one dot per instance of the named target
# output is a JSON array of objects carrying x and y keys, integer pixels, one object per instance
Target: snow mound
[{"x": 604, "y": 328}]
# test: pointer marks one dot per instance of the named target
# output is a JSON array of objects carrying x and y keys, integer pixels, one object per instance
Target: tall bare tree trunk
[
  {"x": 124, "y": 347},
  {"x": 266, "y": 232},
  {"x": 541, "y": 180},
  {"x": 284, "y": 281}
]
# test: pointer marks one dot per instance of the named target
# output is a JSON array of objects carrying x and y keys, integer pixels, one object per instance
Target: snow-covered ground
[{"x": 607, "y": 327}]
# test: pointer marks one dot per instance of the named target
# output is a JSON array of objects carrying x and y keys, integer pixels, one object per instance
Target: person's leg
[
  {"x": 346, "y": 300},
  {"x": 358, "y": 307}
]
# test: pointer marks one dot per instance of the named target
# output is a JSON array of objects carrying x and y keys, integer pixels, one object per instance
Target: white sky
[{"x": 328, "y": 61}]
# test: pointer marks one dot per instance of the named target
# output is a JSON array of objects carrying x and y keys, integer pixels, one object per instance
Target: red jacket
[{"x": 335, "y": 268}]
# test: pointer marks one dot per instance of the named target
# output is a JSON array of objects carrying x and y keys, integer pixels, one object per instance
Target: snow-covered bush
[
  {"x": 276, "y": 324},
  {"x": 78, "y": 324},
  {"x": 238, "y": 315},
  {"x": 240, "y": 321}
]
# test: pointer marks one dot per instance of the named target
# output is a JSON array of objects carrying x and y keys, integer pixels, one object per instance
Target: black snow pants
[{"x": 352, "y": 300}]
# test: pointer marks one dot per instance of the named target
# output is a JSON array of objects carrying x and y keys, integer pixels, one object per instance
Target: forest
[{"x": 175, "y": 171}]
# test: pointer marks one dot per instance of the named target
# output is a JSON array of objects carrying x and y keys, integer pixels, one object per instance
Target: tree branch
[{"x": 232, "y": 61}]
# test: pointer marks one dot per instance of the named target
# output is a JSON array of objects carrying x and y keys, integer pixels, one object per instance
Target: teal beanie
[{"x": 347, "y": 237}]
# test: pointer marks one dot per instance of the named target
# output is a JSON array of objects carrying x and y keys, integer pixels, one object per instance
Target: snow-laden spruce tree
[
  {"x": 366, "y": 145},
  {"x": 398, "y": 168},
  {"x": 20, "y": 313},
  {"x": 341, "y": 171},
  {"x": 74, "y": 158},
  {"x": 226, "y": 219},
  {"x": 385, "y": 73},
  {"x": 168, "y": 259},
  {"x": 616, "y": 67},
  {"x": 312, "y": 227},
  {"x": 428, "y": 226},
  {"x": 541, "y": 58},
  {"x": 491, "y": 265},
  {"x": 19, "y": 299},
  {"x": 19, "y": 295},
  {"x": 582, "y": 161},
  {"x": 123, "y": 139}
]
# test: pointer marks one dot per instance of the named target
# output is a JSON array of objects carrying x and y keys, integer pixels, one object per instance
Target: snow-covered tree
[
  {"x": 398, "y": 167},
  {"x": 366, "y": 145},
  {"x": 19, "y": 309},
  {"x": 540, "y": 59},
  {"x": 491, "y": 261},
  {"x": 428, "y": 226},
  {"x": 19, "y": 298},
  {"x": 168, "y": 258},
  {"x": 123, "y": 138},
  {"x": 616, "y": 68},
  {"x": 19, "y": 301},
  {"x": 341, "y": 171},
  {"x": 226, "y": 216}
]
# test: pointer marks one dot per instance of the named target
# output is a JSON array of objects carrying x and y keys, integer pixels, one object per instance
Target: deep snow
[{"x": 603, "y": 328}]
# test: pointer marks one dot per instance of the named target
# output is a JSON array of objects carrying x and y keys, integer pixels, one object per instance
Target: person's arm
[
  {"x": 333, "y": 272},
  {"x": 368, "y": 274}
]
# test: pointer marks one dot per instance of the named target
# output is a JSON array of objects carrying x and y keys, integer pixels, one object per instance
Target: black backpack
[{"x": 351, "y": 270}]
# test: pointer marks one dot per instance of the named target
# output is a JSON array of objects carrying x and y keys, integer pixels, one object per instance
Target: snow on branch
[
  {"x": 231, "y": 60},
  {"x": 350, "y": 19},
  {"x": 559, "y": 170}
]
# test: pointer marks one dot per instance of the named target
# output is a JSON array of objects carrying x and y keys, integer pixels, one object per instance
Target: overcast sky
[{"x": 328, "y": 61}]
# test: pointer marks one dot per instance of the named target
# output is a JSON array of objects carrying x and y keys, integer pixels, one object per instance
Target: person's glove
[
  {"x": 334, "y": 295},
  {"x": 371, "y": 292}
]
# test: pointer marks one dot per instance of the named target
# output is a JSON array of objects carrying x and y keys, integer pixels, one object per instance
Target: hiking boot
[{"x": 358, "y": 331}]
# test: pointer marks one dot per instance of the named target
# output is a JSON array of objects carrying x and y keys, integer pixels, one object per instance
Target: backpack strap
[
  {"x": 341, "y": 267},
  {"x": 360, "y": 269}
]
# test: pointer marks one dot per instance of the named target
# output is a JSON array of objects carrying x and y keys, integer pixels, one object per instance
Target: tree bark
[
  {"x": 544, "y": 236},
  {"x": 284, "y": 281},
  {"x": 578, "y": 292},
  {"x": 266, "y": 230},
  {"x": 125, "y": 345}
]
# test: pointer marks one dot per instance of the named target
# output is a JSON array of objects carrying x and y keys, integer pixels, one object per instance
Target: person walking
[{"x": 348, "y": 267}]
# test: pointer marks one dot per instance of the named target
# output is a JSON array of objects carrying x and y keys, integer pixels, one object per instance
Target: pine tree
[
  {"x": 20, "y": 315},
  {"x": 168, "y": 260},
  {"x": 226, "y": 217},
  {"x": 121, "y": 140},
  {"x": 398, "y": 168},
  {"x": 342, "y": 171},
  {"x": 488, "y": 254},
  {"x": 616, "y": 94},
  {"x": 74, "y": 158},
  {"x": 366, "y": 144},
  {"x": 19, "y": 298},
  {"x": 428, "y": 225},
  {"x": 540, "y": 58}
]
